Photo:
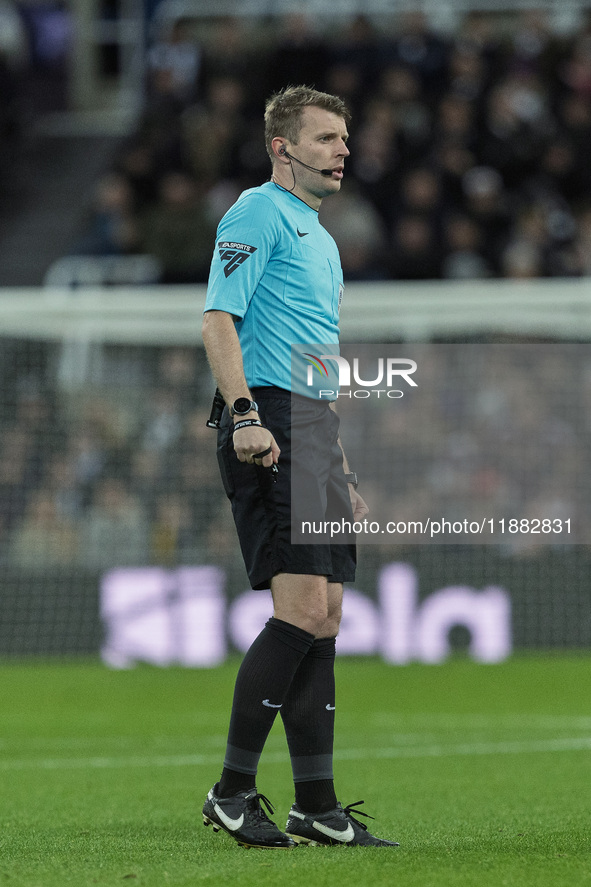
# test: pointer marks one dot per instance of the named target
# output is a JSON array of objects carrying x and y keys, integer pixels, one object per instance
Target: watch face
[{"x": 242, "y": 405}]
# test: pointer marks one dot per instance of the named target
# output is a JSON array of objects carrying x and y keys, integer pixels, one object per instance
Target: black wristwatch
[
  {"x": 242, "y": 406},
  {"x": 351, "y": 478}
]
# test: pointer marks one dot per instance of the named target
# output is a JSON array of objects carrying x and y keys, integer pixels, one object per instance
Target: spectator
[
  {"x": 559, "y": 177},
  {"x": 88, "y": 453},
  {"x": 522, "y": 260},
  {"x": 515, "y": 126},
  {"x": 163, "y": 421},
  {"x": 111, "y": 230},
  {"x": 14, "y": 476},
  {"x": 487, "y": 204},
  {"x": 345, "y": 80},
  {"x": 376, "y": 155},
  {"x": 400, "y": 86},
  {"x": 229, "y": 56},
  {"x": 353, "y": 63},
  {"x": 464, "y": 257},
  {"x": 176, "y": 58},
  {"x": 452, "y": 162},
  {"x": 468, "y": 74},
  {"x": 359, "y": 233},
  {"x": 190, "y": 467},
  {"x": 455, "y": 123},
  {"x": 549, "y": 230},
  {"x": 183, "y": 370},
  {"x": 582, "y": 244},
  {"x": 418, "y": 47},
  {"x": 414, "y": 250},
  {"x": 160, "y": 125},
  {"x": 62, "y": 486},
  {"x": 214, "y": 131},
  {"x": 420, "y": 192},
  {"x": 173, "y": 539},
  {"x": 420, "y": 197},
  {"x": 145, "y": 475},
  {"x": 576, "y": 71},
  {"x": 574, "y": 120},
  {"x": 178, "y": 230},
  {"x": 44, "y": 540},
  {"x": 534, "y": 49},
  {"x": 301, "y": 55},
  {"x": 479, "y": 33},
  {"x": 114, "y": 530},
  {"x": 137, "y": 165},
  {"x": 357, "y": 48}
]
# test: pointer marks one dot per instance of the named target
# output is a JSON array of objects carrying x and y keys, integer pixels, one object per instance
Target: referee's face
[{"x": 322, "y": 144}]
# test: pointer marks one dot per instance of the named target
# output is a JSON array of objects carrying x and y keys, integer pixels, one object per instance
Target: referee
[{"x": 276, "y": 280}]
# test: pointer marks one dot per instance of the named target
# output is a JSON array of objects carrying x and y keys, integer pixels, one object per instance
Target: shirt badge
[{"x": 234, "y": 254}]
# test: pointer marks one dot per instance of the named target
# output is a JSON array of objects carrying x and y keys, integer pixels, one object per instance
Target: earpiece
[{"x": 282, "y": 149}]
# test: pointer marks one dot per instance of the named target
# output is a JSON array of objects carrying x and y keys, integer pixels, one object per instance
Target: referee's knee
[
  {"x": 313, "y": 620},
  {"x": 318, "y": 621},
  {"x": 332, "y": 623},
  {"x": 308, "y": 602}
]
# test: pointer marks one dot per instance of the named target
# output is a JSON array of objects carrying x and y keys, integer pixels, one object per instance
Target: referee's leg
[
  {"x": 308, "y": 711},
  {"x": 310, "y": 602}
]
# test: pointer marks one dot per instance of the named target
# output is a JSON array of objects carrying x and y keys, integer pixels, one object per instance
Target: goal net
[{"x": 116, "y": 537}]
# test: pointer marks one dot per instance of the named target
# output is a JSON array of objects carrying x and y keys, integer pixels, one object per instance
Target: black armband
[{"x": 246, "y": 422}]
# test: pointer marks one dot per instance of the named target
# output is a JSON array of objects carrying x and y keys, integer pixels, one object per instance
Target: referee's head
[{"x": 283, "y": 112}]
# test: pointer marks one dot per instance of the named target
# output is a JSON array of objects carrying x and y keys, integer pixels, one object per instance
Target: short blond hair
[{"x": 283, "y": 112}]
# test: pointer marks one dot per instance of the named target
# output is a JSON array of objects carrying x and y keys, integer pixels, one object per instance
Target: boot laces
[
  {"x": 347, "y": 810},
  {"x": 257, "y": 809}
]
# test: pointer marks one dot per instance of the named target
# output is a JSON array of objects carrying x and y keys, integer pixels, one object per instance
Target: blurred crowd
[
  {"x": 468, "y": 160},
  {"x": 468, "y": 149},
  {"x": 492, "y": 432},
  {"x": 120, "y": 474},
  {"x": 124, "y": 473}
]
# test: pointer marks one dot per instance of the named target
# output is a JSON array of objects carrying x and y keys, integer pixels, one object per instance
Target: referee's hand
[
  {"x": 252, "y": 440},
  {"x": 358, "y": 506}
]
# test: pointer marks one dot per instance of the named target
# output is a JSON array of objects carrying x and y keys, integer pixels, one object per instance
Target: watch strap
[{"x": 351, "y": 478}]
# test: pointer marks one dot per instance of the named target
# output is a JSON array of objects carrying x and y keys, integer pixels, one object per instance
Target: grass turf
[{"x": 482, "y": 773}]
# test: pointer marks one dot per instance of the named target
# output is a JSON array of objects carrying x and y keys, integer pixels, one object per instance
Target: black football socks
[
  {"x": 262, "y": 684},
  {"x": 308, "y": 717}
]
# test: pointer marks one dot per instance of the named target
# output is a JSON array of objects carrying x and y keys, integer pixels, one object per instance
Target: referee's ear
[{"x": 279, "y": 149}]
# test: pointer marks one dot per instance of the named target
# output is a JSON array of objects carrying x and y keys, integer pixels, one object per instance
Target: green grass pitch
[{"x": 483, "y": 773}]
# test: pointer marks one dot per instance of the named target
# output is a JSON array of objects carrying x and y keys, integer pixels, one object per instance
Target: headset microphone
[{"x": 323, "y": 172}]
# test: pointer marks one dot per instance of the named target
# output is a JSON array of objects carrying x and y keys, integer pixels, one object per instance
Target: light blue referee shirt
[{"x": 278, "y": 270}]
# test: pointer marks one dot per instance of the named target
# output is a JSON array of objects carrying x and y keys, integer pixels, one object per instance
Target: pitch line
[{"x": 579, "y": 743}]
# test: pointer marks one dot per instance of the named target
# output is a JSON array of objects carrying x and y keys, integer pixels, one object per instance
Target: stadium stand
[{"x": 468, "y": 147}]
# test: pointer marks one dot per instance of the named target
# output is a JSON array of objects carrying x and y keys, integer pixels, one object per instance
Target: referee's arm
[{"x": 225, "y": 359}]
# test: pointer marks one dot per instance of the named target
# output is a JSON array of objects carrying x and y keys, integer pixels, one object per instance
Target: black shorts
[{"x": 262, "y": 508}]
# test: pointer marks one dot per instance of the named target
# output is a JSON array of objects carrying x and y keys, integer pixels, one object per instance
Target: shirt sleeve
[{"x": 245, "y": 240}]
